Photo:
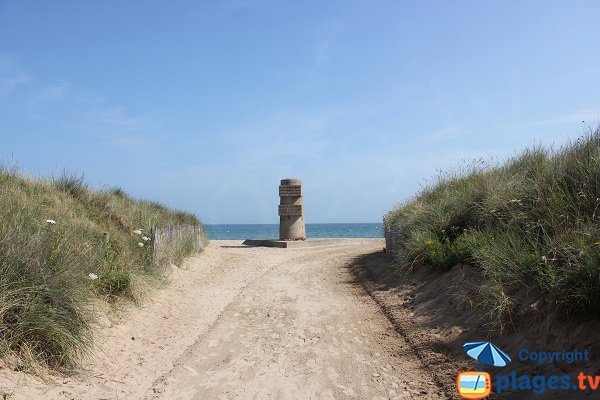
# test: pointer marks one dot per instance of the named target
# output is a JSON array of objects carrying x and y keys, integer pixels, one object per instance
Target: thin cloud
[
  {"x": 323, "y": 49},
  {"x": 291, "y": 135},
  {"x": 115, "y": 117},
  {"x": 443, "y": 135},
  {"x": 11, "y": 76},
  {"x": 582, "y": 115},
  {"x": 118, "y": 128},
  {"x": 49, "y": 93},
  {"x": 323, "y": 52},
  {"x": 111, "y": 124}
]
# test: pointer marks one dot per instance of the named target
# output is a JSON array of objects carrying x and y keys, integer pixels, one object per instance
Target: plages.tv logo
[
  {"x": 474, "y": 385},
  {"x": 478, "y": 384}
]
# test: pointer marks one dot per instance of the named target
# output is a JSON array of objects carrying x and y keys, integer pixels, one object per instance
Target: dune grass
[
  {"x": 533, "y": 222},
  {"x": 63, "y": 246}
]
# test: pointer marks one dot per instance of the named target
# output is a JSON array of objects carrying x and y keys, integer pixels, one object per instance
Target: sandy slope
[{"x": 248, "y": 323}]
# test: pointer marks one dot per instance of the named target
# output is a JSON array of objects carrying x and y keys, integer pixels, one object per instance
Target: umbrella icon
[{"x": 487, "y": 353}]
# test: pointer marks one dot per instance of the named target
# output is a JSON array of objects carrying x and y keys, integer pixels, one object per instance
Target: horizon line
[{"x": 277, "y": 223}]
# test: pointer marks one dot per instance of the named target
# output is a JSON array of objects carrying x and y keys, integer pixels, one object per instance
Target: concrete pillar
[{"x": 291, "y": 210}]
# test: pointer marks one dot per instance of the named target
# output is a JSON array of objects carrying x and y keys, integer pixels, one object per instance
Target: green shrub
[
  {"x": 118, "y": 192},
  {"x": 440, "y": 255},
  {"x": 72, "y": 184},
  {"x": 114, "y": 283}
]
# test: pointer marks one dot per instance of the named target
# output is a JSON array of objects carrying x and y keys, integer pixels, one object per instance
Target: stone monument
[{"x": 291, "y": 210}]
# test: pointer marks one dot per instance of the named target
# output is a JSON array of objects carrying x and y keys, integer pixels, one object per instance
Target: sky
[{"x": 206, "y": 105}]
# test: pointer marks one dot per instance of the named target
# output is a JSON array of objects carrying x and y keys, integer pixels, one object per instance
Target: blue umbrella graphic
[{"x": 487, "y": 353}]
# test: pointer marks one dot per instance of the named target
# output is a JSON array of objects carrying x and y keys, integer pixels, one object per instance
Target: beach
[{"x": 251, "y": 323}]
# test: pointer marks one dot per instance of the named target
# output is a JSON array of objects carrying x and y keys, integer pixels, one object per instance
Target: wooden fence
[
  {"x": 162, "y": 238},
  {"x": 392, "y": 237}
]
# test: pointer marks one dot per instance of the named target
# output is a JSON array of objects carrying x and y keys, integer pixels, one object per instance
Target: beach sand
[{"x": 241, "y": 322}]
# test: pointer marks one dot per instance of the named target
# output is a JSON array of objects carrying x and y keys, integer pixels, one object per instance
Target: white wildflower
[
  {"x": 145, "y": 238},
  {"x": 93, "y": 276},
  {"x": 140, "y": 244},
  {"x": 138, "y": 231},
  {"x": 51, "y": 221}
]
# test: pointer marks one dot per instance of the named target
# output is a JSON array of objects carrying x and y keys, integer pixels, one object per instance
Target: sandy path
[{"x": 248, "y": 323}]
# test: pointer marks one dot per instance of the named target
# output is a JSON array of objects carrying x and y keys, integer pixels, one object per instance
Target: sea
[{"x": 271, "y": 231}]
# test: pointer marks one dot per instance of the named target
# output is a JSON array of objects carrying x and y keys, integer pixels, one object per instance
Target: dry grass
[
  {"x": 45, "y": 284},
  {"x": 532, "y": 222}
]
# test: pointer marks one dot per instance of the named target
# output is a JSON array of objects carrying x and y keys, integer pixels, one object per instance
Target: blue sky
[{"x": 206, "y": 105}]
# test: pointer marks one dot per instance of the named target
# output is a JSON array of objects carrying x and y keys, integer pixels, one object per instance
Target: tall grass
[
  {"x": 533, "y": 222},
  {"x": 52, "y": 273}
]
